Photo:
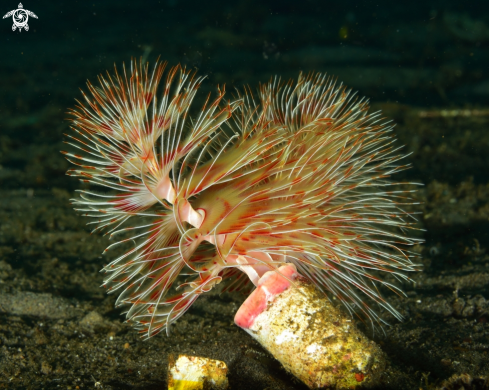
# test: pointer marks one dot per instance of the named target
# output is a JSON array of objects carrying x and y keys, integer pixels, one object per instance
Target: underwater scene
[{"x": 244, "y": 195}]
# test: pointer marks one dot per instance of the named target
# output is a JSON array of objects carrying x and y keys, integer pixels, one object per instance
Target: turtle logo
[{"x": 20, "y": 17}]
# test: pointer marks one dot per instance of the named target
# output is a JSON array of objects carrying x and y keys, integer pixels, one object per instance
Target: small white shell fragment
[{"x": 196, "y": 373}]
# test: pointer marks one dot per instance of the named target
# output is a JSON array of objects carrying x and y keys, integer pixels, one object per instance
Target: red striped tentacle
[{"x": 299, "y": 174}]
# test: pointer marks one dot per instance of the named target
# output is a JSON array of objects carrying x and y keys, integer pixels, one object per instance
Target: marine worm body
[{"x": 293, "y": 182}]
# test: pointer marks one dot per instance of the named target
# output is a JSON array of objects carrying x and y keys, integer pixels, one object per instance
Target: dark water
[{"x": 424, "y": 63}]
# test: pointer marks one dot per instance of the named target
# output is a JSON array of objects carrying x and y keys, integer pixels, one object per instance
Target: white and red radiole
[{"x": 286, "y": 189}]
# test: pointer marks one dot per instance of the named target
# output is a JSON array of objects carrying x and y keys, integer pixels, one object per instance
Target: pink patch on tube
[{"x": 270, "y": 285}]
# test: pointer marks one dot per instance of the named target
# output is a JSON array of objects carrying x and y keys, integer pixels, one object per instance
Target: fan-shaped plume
[{"x": 227, "y": 192}]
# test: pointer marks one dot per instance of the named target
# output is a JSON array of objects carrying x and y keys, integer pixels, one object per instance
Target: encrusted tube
[{"x": 312, "y": 338}]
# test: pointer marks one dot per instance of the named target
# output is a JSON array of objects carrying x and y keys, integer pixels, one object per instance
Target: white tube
[{"x": 312, "y": 338}]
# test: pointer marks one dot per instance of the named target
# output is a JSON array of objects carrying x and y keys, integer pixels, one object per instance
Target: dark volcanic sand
[{"x": 58, "y": 328}]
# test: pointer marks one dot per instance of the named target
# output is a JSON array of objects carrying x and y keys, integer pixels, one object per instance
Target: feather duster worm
[{"x": 293, "y": 181}]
